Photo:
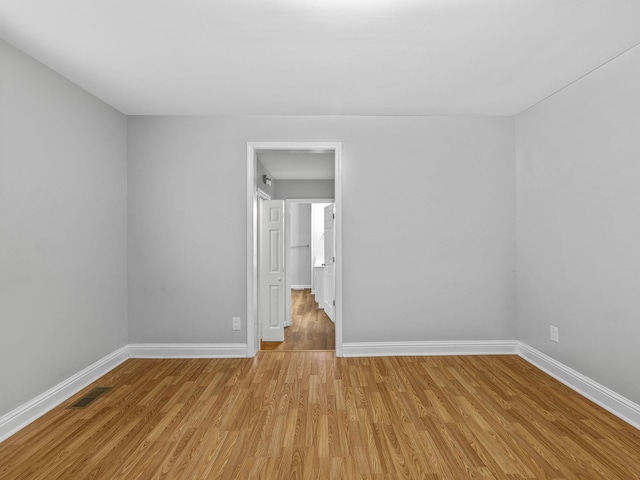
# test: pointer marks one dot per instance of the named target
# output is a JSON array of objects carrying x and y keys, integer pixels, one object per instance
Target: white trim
[
  {"x": 252, "y": 253},
  {"x": 618, "y": 405},
  {"x": 299, "y": 287},
  {"x": 608, "y": 399},
  {"x": 611, "y": 401},
  {"x": 20, "y": 417},
  {"x": 262, "y": 194},
  {"x": 338, "y": 251},
  {"x": 252, "y": 243},
  {"x": 188, "y": 350},
  {"x": 471, "y": 347}
]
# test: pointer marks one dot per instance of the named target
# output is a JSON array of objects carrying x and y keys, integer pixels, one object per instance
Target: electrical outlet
[
  {"x": 553, "y": 334},
  {"x": 235, "y": 323}
]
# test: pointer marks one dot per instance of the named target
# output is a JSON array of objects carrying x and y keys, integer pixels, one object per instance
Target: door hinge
[
  {"x": 334, "y": 259},
  {"x": 334, "y": 303},
  {"x": 334, "y": 216}
]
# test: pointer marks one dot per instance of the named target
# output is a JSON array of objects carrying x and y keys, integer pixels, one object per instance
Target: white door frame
[
  {"x": 252, "y": 233},
  {"x": 260, "y": 196}
]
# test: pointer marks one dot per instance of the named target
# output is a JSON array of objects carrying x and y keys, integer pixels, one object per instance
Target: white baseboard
[
  {"x": 471, "y": 347},
  {"x": 20, "y": 417},
  {"x": 608, "y": 399},
  {"x": 618, "y": 405},
  {"x": 300, "y": 287},
  {"x": 188, "y": 350}
]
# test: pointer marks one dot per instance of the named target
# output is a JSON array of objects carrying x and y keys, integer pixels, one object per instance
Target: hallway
[{"x": 310, "y": 328}]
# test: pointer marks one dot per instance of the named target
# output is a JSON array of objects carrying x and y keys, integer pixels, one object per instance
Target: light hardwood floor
[
  {"x": 310, "y": 415},
  {"x": 311, "y": 328}
]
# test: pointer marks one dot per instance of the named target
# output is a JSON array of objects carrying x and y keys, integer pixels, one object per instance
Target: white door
[
  {"x": 272, "y": 294},
  {"x": 329, "y": 262}
]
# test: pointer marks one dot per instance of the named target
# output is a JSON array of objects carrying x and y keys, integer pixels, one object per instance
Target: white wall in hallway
[
  {"x": 304, "y": 189},
  {"x": 260, "y": 183},
  {"x": 299, "y": 235}
]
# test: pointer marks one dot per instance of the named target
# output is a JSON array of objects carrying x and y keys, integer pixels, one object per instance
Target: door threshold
[{"x": 295, "y": 351}]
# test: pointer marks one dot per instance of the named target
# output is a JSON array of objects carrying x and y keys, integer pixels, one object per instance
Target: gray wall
[
  {"x": 304, "y": 189},
  {"x": 428, "y": 225},
  {"x": 578, "y": 170},
  {"x": 62, "y": 229}
]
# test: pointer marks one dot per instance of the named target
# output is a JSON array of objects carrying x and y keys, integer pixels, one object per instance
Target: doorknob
[{"x": 279, "y": 279}]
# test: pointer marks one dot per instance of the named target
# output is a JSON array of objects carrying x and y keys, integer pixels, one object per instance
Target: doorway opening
[
  {"x": 309, "y": 283},
  {"x": 272, "y": 286}
]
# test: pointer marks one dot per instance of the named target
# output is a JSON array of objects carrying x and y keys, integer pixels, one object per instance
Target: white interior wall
[
  {"x": 435, "y": 224},
  {"x": 578, "y": 235},
  {"x": 299, "y": 233},
  {"x": 63, "y": 285}
]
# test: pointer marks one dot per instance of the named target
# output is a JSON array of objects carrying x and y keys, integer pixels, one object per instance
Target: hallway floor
[{"x": 311, "y": 328}]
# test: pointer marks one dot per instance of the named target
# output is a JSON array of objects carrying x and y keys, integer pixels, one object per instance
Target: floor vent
[{"x": 90, "y": 397}]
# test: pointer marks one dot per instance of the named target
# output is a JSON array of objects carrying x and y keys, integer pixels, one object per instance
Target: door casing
[{"x": 252, "y": 233}]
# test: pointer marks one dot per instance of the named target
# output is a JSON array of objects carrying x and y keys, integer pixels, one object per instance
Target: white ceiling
[
  {"x": 298, "y": 165},
  {"x": 313, "y": 57}
]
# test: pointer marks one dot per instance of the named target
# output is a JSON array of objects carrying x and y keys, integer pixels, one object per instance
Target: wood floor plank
[
  {"x": 310, "y": 329},
  {"x": 310, "y": 415}
]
